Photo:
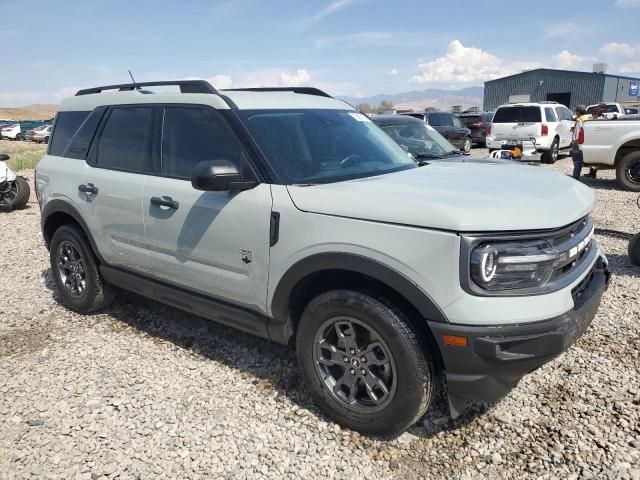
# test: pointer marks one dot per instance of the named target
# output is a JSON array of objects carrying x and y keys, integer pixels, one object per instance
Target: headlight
[{"x": 512, "y": 265}]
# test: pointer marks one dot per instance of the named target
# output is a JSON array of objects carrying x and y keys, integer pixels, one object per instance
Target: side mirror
[
  {"x": 218, "y": 176},
  {"x": 3, "y": 157}
]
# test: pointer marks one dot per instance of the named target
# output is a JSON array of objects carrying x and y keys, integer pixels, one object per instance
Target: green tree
[
  {"x": 364, "y": 107},
  {"x": 384, "y": 105}
]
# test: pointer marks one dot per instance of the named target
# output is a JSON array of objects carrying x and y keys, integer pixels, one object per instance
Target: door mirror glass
[
  {"x": 218, "y": 176},
  {"x": 3, "y": 157}
]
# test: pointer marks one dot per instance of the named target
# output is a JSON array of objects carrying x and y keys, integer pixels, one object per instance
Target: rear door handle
[
  {"x": 165, "y": 202},
  {"x": 89, "y": 189}
]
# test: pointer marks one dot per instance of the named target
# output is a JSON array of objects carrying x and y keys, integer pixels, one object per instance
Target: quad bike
[
  {"x": 634, "y": 245},
  {"x": 14, "y": 190}
]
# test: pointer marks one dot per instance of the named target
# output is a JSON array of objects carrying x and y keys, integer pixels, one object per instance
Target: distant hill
[
  {"x": 30, "y": 112},
  {"x": 431, "y": 97}
]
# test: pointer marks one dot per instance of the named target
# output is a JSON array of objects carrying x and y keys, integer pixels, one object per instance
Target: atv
[{"x": 14, "y": 189}]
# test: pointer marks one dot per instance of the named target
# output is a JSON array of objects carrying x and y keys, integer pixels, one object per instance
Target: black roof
[{"x": 394, "y": 119}]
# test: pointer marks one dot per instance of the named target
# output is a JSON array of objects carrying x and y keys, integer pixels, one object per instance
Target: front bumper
[{"x": 497, "y": 357}]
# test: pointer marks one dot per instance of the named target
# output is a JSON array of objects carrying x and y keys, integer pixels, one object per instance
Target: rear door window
[
  {"x": 518, "y": 115},
  {"x": 126, "y": 141},
  {"x": 64, "y": 128},
  {"x": 193, "y": 135},
  {"x": 550, "y": 114}
]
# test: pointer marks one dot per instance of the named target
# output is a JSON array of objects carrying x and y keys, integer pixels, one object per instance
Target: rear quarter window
[
  {"x": 64, "y": 127},
  {"x": 517, "y": 115}
]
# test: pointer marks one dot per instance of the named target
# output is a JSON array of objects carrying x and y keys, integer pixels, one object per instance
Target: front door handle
[
  {"x": 89, "y": 189},
  {"x": 165, "y": 202}
]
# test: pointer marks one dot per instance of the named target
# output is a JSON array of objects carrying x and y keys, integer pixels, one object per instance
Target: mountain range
[{"x": 430, "y": 97}]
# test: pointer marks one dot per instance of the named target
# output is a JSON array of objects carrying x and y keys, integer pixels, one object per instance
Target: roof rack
[
  {"x": 186, "y": 86},
  {"x": 302, "y": 90}
]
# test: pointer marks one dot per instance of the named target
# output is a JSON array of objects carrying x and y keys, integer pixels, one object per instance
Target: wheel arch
[
  {"x": 326, "y": 271},
  {"x": 626, "y": 147},
  {"x": 59, "y": 212}
]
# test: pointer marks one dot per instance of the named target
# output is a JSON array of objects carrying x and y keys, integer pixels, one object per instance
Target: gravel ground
[{"x": 146, "y": 391}]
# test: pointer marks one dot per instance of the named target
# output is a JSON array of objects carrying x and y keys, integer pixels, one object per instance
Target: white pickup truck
[{"x": 614, "y": 144}]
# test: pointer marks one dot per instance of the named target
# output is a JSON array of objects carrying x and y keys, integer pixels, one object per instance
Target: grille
[{"x": 574, "y": 242}]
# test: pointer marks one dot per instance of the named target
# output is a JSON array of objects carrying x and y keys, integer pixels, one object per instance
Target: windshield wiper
[
  {"x": 426, "y": 155},
  {"x": 452, "y": 152}
]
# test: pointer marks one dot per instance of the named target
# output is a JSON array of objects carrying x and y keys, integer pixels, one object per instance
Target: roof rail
[
  {"x": 186, "y": 86},
  {"x": 302, "y": 90}
]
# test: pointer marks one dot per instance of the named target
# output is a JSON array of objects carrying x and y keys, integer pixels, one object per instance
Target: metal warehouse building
[{"x": 562, "y": 86}]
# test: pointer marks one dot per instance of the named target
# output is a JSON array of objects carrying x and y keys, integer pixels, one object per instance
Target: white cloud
[
  {"x": 221, "y": 81},
  {"x": 568, "y": 61},
  {"x": 269, "y": 77},
  {"x": 619, "y": 50},
  {"x": 628, "y": 3},
  {"x": 461, "y": 65},
  {"x": 330, "y": 9},
  {"x": 295, "y": 80},
  {"x": 393, "y": 72}
]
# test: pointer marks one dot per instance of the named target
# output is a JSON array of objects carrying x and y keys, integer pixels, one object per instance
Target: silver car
[{"x": 288, "y": 214}]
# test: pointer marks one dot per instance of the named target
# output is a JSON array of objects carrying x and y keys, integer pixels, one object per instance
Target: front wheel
[
  {"x": 364, "y": 363},
  {"x": 628, "y": 171}
]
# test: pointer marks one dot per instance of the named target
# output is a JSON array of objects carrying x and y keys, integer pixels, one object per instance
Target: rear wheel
[
  {"x": 364, "y": 363},
  {"x": 628, "y": 171},
  {"x": 466, "y": 146},
  {"x": 75, "y": 271},
  {"x": 634, "y": 249},
  {"x": 551, "y": 156},
  {"x": 46, "y": 140}
]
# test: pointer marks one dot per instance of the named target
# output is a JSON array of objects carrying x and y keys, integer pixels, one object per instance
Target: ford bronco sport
[{"x": 290, "y": 215}]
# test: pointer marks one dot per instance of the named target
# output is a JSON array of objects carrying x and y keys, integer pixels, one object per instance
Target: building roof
[{"x": 571, "y": 72}]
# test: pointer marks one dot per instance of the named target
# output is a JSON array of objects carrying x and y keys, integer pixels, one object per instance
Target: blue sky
[{"x": 348, "y": 47}]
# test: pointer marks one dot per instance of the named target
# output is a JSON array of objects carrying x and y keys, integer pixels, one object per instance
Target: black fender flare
[
  {"x": 352, "y": 263},
  {"x": 62, "y": 206}
]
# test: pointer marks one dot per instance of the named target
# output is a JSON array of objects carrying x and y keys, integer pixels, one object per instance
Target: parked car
[
  {"x": 290, "y": 215},
  {"x": 610, "y": 110},
  {"x": 631, "y": 110},
  {"x": 609, "y": 144},
  {"x": 11, "y": 131},
  {"x": 449, "y": 126},
  {"x": 545, "y": 127},
  {"x": 39, "y": 135},
  {"x": 478, "y": 123}
]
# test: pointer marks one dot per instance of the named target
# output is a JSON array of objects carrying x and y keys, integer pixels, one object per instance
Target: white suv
[{"x": 545, "y": 124}]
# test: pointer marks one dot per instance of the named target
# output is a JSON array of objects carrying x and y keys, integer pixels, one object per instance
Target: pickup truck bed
[{"x": 614, "y": 144}]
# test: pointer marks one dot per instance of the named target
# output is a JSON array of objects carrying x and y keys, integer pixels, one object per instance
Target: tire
[
  {"x": 24, "y": 193},
  {"x": 408, "y": 375},
  {"x": 95, "y": 294},
  {"x": 466, "y": 146},
  {"x": 552, "y": 154},
  {"x": 46, "y": 140},
  {"x": 634, "y": 249},
  {"x": 628, "y": 171}
]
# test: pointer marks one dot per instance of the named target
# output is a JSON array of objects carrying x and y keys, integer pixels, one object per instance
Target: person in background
[
  {"x": 576, "y": 153},
  {"x": 597, "y": 114}
]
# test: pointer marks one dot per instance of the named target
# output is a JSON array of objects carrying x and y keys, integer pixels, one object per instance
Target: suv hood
[{"x": 456, "y": 196}]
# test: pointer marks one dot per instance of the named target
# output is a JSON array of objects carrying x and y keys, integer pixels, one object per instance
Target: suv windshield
[
  {"x": 419, "y": 139},
  {"x": 517, "y": 115},
  {"x": 323, "y": 146}
]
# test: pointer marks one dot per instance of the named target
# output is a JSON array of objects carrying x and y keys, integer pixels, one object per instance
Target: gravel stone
[{"x": 142, "y": 390}]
